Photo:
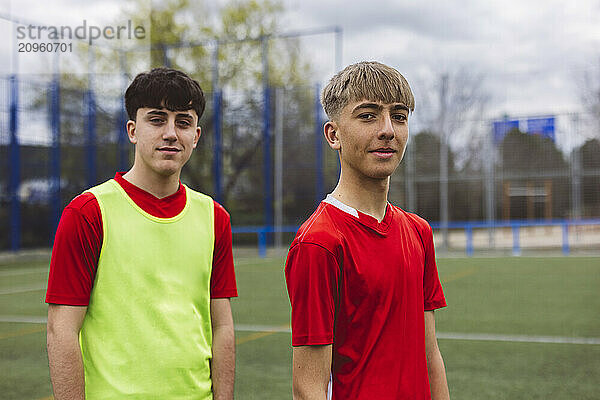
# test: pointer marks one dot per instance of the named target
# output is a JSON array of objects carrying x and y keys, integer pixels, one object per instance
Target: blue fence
[
  {"x": 263, "y": 157},
  {"x": 262, "y": 232},
  {"x": 516, "y": 227},
  {"x": 81, "y": 141}
]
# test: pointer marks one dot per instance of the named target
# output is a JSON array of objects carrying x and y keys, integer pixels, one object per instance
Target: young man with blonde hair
[
  {"x": 142, "y": 267},
  {"x": 361, "y": 273}
]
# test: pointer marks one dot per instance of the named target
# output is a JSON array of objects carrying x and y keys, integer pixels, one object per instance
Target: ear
[
  {"x": 330, "y": 131},
  {"x": 131, "y": 131},
  {"x": 197, "y": 137}
]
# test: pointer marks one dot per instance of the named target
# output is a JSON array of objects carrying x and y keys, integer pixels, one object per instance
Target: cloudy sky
[{"x": 532, "y": 54}]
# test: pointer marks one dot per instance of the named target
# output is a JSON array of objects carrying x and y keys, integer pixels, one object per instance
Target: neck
[
  {"x": 157, "y": 185},
  {"x": 368, "y": 196}
]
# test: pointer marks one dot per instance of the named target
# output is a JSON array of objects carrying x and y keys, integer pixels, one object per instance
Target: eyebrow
[
  {"x": 156, "y": 112},
  {"x": 163, "y": 114},
  {"x": 400, "y": 107},
  {"x": 379, "y": 107},
  {"x": 371, "y": 106}
]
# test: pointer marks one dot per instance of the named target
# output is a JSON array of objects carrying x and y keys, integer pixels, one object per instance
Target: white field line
[
  {"x": 262, "y": 328},
  {"x": 24, "y": 289},
  {"x": 23, "y": 271},
  {"x": 516, "y": 338},
  {"x": 23, "y": 319},
  {"x": 441, "y": 335},
  {"x": 456, "y": 336}
]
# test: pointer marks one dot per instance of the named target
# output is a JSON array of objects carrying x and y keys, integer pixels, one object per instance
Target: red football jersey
[
  {"x": 79, "y": 236},
  {"x": 363, "y": 286}
]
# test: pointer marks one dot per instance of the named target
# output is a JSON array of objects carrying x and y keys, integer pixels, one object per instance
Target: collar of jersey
[
  {"x": 147, "y": 214},
  {"x": 365, "y": 219}
]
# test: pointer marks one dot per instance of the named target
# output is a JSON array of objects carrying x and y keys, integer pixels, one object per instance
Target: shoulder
[
  {"x": 82, "y": 215},
  {"x": 194, "y": 194},
  {"x": 320, "y": 229},
  {"x": 413, "y": 219},
  {"x": 84, "y": 203},
  {"x": 222, "y": 219},
  {"x": 106, "y": 187},
  {"x": 317, "y": 245},
  {"x": 416, "y": 224},
  {"x": 220, "y": 211},
  {"x": 201, "y": 199}
]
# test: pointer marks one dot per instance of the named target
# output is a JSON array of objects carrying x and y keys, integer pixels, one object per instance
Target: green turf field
[{"x": 499, "y": 332}]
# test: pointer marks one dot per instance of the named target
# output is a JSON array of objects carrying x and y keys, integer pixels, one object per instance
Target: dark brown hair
[{"x": 164, "y": 88}]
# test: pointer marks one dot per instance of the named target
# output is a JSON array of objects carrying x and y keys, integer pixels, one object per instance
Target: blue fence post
[
  {"x": 91, "y": 139},
  {"x": 319, "y": 191},
  {"x": 262, "y": 243},
  {"x": 217, "y": 97},
  {"x": 565, "y": 238},
  {"x": 122, "y": 141},
  {"x": 469, "y": 234},
  {"x": 516, "y": 251},
  {"x": 55, "y": 157},
  {"x": 15, "y": 167},
  {"x": 218, "y": 146},
  {"x": 121, "y": 129},
  {"x": 267, "y": 167}
]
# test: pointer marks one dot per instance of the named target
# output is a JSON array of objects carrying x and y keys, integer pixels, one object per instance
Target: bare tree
[
  {"x": 459, "y": 114},
  {"x": 590, "y": 97}
]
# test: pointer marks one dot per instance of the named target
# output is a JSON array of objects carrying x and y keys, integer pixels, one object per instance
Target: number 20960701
[{"x": 45, "y": 47}]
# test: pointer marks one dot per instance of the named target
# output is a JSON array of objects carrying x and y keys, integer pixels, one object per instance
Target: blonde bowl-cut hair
[{"x": 366, "y": 80}]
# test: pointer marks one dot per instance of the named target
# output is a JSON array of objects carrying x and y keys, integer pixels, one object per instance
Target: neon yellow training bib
[{"x": 147, "y": 331}]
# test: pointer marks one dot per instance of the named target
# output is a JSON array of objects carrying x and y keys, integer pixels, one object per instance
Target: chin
[
  {"x": 381, "y": 173},
  {"x": 376, "y": 174},
  {"x": 380, "y": 176},
  {"x": 167, "y": 170}
]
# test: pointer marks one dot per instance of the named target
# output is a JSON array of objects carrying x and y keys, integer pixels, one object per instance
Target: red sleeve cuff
[
  {"x": 67, "y": 301},
  {"x": 224, "y": 294},
  {"x": 305, "y": 340},
  {"x": 434, "y": 305}
]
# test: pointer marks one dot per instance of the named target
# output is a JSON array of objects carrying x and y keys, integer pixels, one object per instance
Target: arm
[
  {"x": 435, "y": 363},
  {"x": 312, "y": 274},
  {"x": 64, "y": 353},
  {"x": 223, "y": 349},
  {"x": 311, "y": 372}
]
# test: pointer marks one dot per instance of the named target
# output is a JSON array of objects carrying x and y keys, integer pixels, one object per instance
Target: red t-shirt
[
  {"x": 79, "y": 237},
  {"x": 363, "y": 286}
]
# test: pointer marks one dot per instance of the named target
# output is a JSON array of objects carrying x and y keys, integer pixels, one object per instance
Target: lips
[
  {"x": 169, "y": 150},
  {"x": 383, "y": 152}
]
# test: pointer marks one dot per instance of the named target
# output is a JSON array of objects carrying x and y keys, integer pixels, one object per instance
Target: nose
[
  {"x": 386, "y": 130},
  {"x": 169, "y": 133}
]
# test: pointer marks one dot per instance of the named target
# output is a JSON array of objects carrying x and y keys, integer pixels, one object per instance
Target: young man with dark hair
[
  {"x": 142, "y": 267},
  {"x": 361, "y": 273}
]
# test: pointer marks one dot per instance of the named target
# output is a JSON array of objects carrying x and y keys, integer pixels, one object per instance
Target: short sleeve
[
  {"x": 222, "y": 279},
  {"x": 312, "y": 274},
  {"x": 75, "y": 253},
  {"x": 432, "y": 288}
]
